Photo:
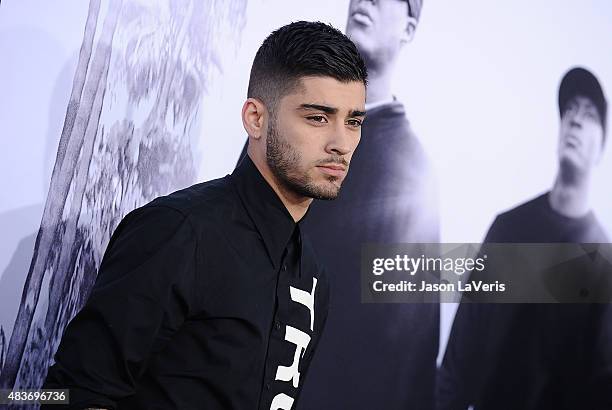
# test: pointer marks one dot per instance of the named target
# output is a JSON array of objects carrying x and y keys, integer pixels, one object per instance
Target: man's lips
[
  {"x": 572, "y": 141},
  {"x": 333, "y": 169},
  {"x": 362, "y": 17}
]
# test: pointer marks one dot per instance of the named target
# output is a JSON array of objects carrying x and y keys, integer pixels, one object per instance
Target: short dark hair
[{"x": 302, "y": 49}]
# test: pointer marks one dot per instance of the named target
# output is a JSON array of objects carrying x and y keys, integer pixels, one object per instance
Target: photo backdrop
[{"x": 105, "y": 105}]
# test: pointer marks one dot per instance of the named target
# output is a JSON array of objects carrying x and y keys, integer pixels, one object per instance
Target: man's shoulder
[
  {"x": 525, "y": 210},
  {"x": 516, "y": 224},
  {"x": 198, "y": 199},
  {"x": 389, "y": 133},
  {"x": 199, "y": 204}
]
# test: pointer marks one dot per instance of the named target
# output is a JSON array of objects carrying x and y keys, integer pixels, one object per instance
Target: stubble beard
[{"x": 284, "y": 162}]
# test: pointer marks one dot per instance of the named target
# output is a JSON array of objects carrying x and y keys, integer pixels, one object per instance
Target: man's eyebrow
[
  {"x": 330, "y": 110},
  {"x": 589, "y": 105},
  {"x": 318, "y": 107}
]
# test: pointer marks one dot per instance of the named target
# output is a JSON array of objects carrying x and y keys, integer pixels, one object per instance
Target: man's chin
[
  {"x": 570, "y": 168},
  {"x": 326, "y": 197},
  {"x": 327, "y": 192},
  {"x": 360, "y": 36},
  {"x": 570, "y": 161}
]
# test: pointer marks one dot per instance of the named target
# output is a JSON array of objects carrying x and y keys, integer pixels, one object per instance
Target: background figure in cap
[
  {"x": 380, "y": 355},
  {"x": 541, "y": 356}
]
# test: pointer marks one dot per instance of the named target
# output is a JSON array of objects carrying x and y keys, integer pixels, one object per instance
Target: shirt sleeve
[
  {"x": 497, "y": 233},
  {"x": 460, "y": 367},
  {"x": 144, "y": 291},
  {"x": 462, "y": 371},
  {"x": 601, "y": 377}
]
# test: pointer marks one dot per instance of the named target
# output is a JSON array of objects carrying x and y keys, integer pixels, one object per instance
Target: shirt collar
[
  {"x": 371, "y": 106},
  {"x": 266, "y": 210}
]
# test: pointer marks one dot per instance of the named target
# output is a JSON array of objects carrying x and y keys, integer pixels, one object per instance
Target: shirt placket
[{"x": 279, "y": 350}]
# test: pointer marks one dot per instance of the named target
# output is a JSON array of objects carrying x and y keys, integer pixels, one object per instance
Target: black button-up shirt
[{"x": 208, "y": 298}]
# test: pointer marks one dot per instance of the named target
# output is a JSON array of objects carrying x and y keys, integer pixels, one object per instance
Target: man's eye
[
  {"x": 318, "y": 118},
  {"x": 354, "y": 123},
  {"x": 571, "y": 108}
]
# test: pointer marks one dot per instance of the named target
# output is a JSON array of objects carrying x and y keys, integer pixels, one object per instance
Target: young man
[
  {"x": 210, "y": 297},
  {"x": 541, "y": 356}
]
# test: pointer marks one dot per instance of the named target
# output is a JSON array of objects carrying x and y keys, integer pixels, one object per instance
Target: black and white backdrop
[{"x": 106, "y": 104}]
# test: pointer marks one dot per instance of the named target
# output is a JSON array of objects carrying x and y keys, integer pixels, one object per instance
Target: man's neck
[
  {"x": 379, "y": 85},
  {"x": 296, "y": 205},
  {"x": 570, "y": 199}
]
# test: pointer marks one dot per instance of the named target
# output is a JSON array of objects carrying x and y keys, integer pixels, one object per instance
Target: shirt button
[
  {"x": 268, "y": 386},
  {"x": 277, "y": 325},
  {"x": 284, "y": 267}
]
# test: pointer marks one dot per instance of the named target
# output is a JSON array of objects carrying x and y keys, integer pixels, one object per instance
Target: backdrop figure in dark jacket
[{"x": 541, "y": 356}]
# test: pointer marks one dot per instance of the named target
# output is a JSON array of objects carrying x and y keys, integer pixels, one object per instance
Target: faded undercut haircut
[{"x": 298, "y": 50}]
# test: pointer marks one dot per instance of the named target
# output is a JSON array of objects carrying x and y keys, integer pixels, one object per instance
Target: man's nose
[
  {"x": 340, "y": 142},
  {"x": 576, "y": 121}
]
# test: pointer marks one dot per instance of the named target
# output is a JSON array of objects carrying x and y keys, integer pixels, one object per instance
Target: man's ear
[
  {"x": 253, "y": 115},
  {"x": 601, "y": 148},
  {"x": 409, "y": 29}
]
